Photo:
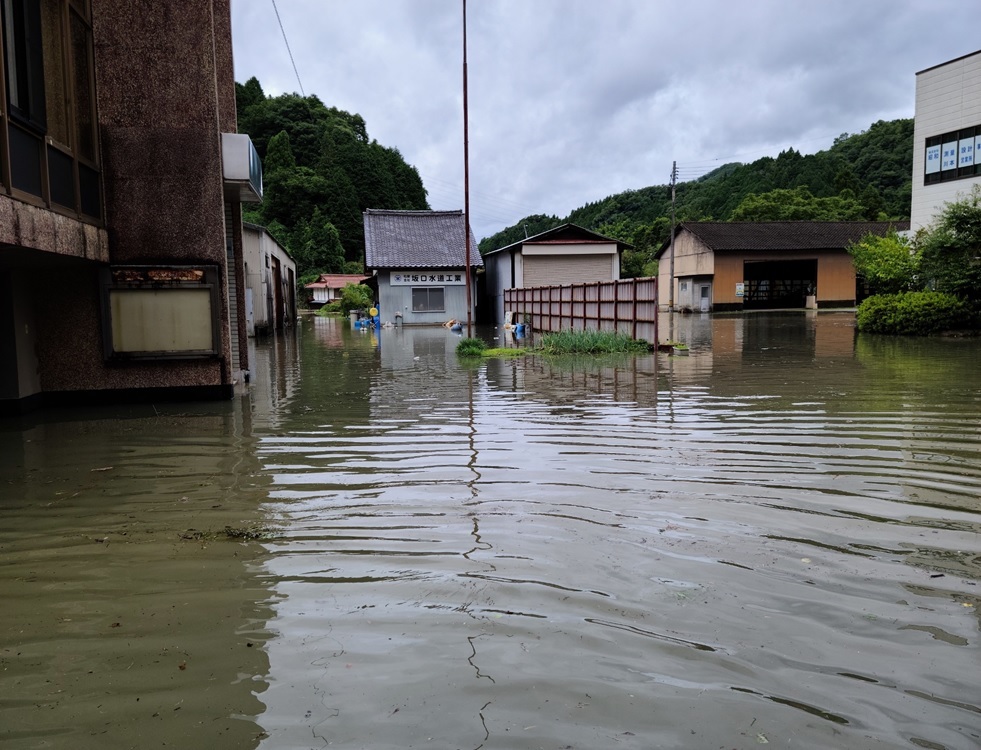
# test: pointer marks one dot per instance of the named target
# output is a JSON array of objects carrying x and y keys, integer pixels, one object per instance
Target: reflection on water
[{"x": 773, "y": 540}]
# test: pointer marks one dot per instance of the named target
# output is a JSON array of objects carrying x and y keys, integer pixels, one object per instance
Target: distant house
[
  {"x": 417, "y": 262},
  {"x": 946, "y": 136},
  {"x": 270, "y": 278},
  {"x": 328, "y": 287},
  {"x": 762, "y": 265},
  {"x": 567, "y": 254}
]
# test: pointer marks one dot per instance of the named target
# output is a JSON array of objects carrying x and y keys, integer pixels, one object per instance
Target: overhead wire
[{"x": 288, "y": 50}]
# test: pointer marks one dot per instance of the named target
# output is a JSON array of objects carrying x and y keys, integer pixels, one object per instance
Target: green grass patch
[
  {"x": 503, "y": 352},
  {"x": 590, "y": 342},
  {"x": 469, "y": 347}
]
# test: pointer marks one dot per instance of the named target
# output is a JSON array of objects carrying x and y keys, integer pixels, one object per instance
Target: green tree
[
  {"x": 317, "y": 246},
  {"x": 248, "y": 94},
  {"x": 319, "y": 157},
  {"x": 950, "y": 249},
  {"x": 527, "y": 227},
  {"x": 887, "y": 265},
  {"x": 279, "y": 154},
  {"x": 355, "y": 297},
  {"x": 291, "y": 195},
  {"x": 797, "y": 204},
  {"x": 880, "y": 158}
]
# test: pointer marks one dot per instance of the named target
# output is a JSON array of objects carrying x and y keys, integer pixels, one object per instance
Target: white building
[
  {"x": 567, "y": 254},
  {"x": 270, "y": 277},
  {"x": 946, "y": 136}
]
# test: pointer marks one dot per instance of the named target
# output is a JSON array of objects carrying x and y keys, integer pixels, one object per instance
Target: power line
[{"x": 288, "y": 50}]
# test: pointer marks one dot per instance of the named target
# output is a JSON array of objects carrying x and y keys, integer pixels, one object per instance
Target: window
[
  {"x": 428, "y": 299},
  {"x": 952, "y": 156},
  {"x": 47, "y": 106},
  {"x": 23, "y": 62}
]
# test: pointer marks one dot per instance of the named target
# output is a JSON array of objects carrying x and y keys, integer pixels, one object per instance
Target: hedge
[{"x": 912, "y": 313}]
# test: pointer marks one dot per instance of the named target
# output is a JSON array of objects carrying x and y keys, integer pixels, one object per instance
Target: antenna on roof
[{"x": 526, "y": 231}]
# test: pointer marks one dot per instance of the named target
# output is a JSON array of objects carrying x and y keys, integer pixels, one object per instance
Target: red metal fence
[{"x": 628, "y": 306}]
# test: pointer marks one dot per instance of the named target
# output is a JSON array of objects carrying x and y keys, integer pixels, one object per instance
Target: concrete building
[
  {"x": 270, "y": 286},
  {"x": 567, "y": 254},
  {"x": 748, "y": 265},
  {"x": 121, "y": 178},
  {"x": 946, "y": 136},
  {"x": 417, "y": 262}
]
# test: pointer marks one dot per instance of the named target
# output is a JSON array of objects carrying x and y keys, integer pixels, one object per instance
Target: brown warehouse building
[{"x": 763, "y": 265}]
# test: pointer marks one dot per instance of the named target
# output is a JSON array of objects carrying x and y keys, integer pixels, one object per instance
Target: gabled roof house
[
  {"x": 327, "y": 288},
  {"x": 417, "y": 260},
  {"x": 763, "y": 265},
  {"x": 567, "y": 254}
]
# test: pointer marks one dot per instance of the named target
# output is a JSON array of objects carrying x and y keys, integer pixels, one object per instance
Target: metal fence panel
[{"x": 627, "y": 306}]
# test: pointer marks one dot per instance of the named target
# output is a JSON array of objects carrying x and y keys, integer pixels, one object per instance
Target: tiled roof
[
  {"x": 784, "y": 235},
  {"x": 335, "y": 280},
  {"x": 417, "y": 239}
]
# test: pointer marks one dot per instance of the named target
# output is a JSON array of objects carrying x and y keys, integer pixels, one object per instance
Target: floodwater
[{"x": 772, "y": 541}]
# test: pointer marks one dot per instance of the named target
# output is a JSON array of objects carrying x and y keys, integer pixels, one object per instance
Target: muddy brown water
[{"x": 771, "y": 541}]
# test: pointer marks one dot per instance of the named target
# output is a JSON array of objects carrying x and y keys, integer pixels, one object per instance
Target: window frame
[
  {"x": 428, "y": 308},
  {"x": 83, "y": 186},
  {"x": 954, "y": 138}
]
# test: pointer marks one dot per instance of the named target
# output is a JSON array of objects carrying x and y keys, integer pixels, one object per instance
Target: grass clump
[
  {"x": 504, "y": 352},
  {"x": 470, "y": 347},
  {"x": 590, "y": 342},
  {"x": 331, "y": 308}
]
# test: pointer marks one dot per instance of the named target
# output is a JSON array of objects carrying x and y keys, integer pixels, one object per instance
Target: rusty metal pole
[{"x": 466, "y": 175}]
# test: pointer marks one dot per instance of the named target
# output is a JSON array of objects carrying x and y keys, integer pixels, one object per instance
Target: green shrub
[
  {"x": 331, "y": 308},
  {"x": 590, "y": 342},
  {"x": 470, "y": 347},
  {"x": 912, "y": 313},
  {"x": 355, "y": 297}
]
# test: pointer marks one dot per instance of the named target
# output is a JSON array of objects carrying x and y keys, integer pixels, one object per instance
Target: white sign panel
[
  {"x": 932, "y": 159},
  {"x": 965, "y": 153},
  {"x": 438, "y": 278},
  {"x": 948, "y": 158}
]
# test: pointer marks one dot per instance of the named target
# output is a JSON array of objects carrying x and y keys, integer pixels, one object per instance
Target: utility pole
[
  {"x": 466, "y": 175},
  {"x": 674, "y": 178}
]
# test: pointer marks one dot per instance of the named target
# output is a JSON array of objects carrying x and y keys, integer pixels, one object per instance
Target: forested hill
[
  {"x": 320, "y": 171},
  {"x": 862, "y": 176}
]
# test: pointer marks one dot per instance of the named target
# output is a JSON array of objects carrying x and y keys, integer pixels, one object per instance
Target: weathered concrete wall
[
  {"x": 27, "y": 226},
  {"x": 161, "y": 95}
]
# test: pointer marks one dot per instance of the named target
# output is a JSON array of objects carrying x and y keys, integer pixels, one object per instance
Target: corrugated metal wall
[{"x": 549, "y": 270}]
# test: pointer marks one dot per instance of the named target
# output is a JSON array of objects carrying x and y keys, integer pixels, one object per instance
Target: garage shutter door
[{"x": 552, "y": 270}]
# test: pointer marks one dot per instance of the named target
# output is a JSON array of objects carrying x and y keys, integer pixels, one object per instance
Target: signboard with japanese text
[
  {"x": 932, "y": 159},
  {"x": 965, "y": 153},
  {"x": 436, "y": 278},
  {"x": 949, "y": 156}
]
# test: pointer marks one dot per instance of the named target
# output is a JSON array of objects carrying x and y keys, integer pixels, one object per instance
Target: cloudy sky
[{"x": 574, "y": 100}]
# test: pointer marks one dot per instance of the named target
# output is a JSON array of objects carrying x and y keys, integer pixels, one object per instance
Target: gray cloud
[{"x": 572, "y": 100}]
